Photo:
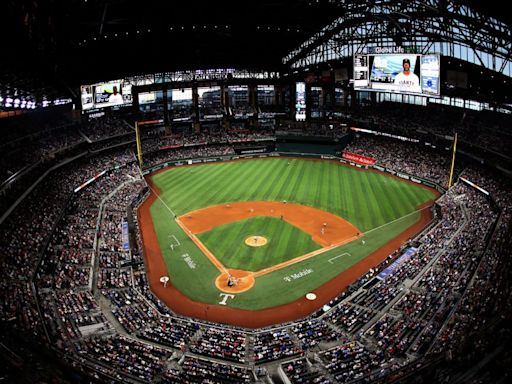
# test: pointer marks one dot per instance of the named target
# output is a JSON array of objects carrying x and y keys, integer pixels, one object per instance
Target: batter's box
[
  {"x": 174, "y": 241},
  {"x": 337, "y": 257}
]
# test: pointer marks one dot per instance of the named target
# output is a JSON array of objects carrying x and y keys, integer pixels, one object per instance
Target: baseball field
[{"x": 258, "y": 235}]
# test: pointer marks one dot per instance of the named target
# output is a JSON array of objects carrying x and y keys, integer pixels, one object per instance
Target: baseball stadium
[{"x": 273, "y": 193}]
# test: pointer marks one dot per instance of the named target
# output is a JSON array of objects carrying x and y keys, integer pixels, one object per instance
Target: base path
[{"x": 325, "y": 228}]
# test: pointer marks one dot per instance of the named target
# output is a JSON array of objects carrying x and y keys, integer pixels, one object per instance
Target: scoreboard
[{"x": 408, "y": 73}]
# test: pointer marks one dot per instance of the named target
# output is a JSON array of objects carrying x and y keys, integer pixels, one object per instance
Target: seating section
[{"x": 69, "y": 281}]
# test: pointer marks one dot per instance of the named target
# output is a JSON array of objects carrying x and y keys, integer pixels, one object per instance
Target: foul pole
[
  {"x": 139, "y": 124},
  {"x": 453, "y": 161},
  {"x": 139, "y": 146}
]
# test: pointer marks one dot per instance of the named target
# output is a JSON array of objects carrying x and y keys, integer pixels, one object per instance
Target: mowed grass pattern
[
  {"x": 227, "y": 242},
  {"x": 367, "y": 199}
]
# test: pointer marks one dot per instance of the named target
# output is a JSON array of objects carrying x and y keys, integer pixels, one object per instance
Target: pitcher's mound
[
  {"x": 235, "y": 281},
  {"x": 256, "y": 241}
]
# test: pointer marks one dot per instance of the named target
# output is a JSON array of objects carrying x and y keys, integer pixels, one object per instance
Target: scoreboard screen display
[
  {"x": 107, "y": 94},
  {"x": 402, "y": 73},
  {"x": 300, "y": 101}
]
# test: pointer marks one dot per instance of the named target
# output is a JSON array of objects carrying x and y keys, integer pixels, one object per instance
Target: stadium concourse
[{"x": 71, "y": 287}]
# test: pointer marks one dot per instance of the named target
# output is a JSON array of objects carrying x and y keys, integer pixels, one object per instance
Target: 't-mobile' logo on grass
[{"x": 298, "y": 275}]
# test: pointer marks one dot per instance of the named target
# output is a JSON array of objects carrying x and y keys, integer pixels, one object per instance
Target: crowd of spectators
[
  {"x": 274, "y": 345},
  {"x": 182, "y": 112},
  {"x": 154, "y": 141},
  {"x": 28, "y": 157},
  {"x": 205, "y": 371},
  {"x": 156, "y": 158},
  {"x": 105, "y": 127},
  {"x": 332, "y": 130},
  {"x": 28, "y": 229},
  {"x": 482, "y": 128},
  {"x": 410, "y": 158},
  {"x": 311, "y": 333},
  {"x": 352, "y": 361},
  {"x": 41, "y": 146},
  {"x": 125, "y": 355},
  {"x": 301, "y": 372},
  {"x": 220, "y": 343},
  {"x": 207, "y": 112},
  {"x": 242, "y": 110},
  {"x": 425, "y": 306}
]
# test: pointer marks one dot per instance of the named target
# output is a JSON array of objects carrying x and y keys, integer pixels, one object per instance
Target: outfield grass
[
  {"x": 364, "y": 198},
  {"x": 285, "y": 242},
  {"x": 379, "y": 205}
]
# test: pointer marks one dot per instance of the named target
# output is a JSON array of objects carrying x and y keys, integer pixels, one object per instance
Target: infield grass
[{"x": 227, "y": 242}]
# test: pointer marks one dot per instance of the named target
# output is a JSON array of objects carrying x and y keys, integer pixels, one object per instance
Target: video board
[
  {"x": 107, "y": 94},
  {"x": 401, "y": 73},
  {"x": 300, "y": 101}
]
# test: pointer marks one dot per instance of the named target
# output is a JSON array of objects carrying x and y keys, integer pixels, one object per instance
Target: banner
[
  {"x": 474, "y": 186},
  {"x": 89, "y": 181},
  {"x": 409, "y": 252},
  {"x": 358, "y": 158},
  {"x": 170, "y": 147},
  {"x": 126, "y": 241},
  {"x": 254, "y": 150}
]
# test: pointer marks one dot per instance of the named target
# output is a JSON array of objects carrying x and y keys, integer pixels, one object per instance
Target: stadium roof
[
  {"x": 86, "y": 40},
  {"x": 60, "y": 43}
]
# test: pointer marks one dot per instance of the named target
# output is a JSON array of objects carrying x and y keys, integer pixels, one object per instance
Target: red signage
[
  {"x": 360, "y": 159},
  {"x": 171, "y": 146}
]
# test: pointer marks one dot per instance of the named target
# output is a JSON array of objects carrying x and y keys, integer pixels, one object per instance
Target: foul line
[
  {"x": 400, "y": 218},
  {"x": 323, "y": 250},
  {"x": 203, "y": 248},
  {"x": 159, "y": 198},
  {"x": 299, "y": 259}
]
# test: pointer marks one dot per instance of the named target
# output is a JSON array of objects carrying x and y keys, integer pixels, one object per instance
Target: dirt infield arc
[
  {"x": 300, "y": 308},
  {"x": 325, "y": 228}
]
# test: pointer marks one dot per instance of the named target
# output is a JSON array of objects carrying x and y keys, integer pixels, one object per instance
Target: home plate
[{"x": 310, "y": 296}]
